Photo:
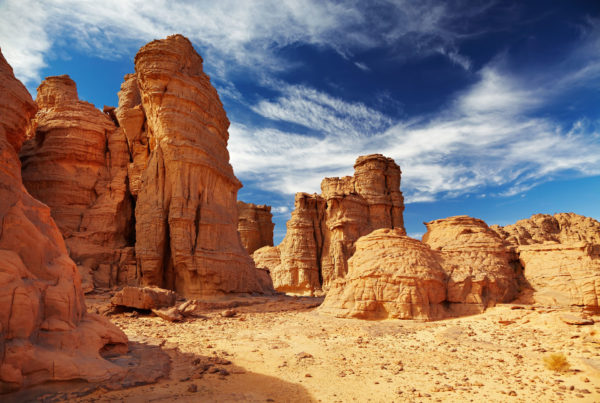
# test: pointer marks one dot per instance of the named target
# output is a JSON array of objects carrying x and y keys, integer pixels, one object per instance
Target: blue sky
[{"x": 491, "y": 108}]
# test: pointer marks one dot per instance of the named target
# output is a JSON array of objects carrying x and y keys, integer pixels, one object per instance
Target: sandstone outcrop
[
  {"x": 185, "y": 189},
  {"x": 45, "y": 332},
  {"x": 389, "y": 276},
  {"x": 76, "y": 163},
  {"x": 323, "y": 228},
  {"x": 560, "y": 256},
  {"x": 481, "y": 271},
  {"x": 255, "y": 225}
]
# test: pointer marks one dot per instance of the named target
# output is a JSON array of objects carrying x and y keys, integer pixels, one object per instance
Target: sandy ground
[{"x": 283, "y": 350}]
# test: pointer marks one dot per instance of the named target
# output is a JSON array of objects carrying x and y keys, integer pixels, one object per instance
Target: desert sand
[{"x": 281, "y": 349}]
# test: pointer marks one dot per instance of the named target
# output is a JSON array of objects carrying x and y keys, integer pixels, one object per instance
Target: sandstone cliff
[
  {"x": 323, "y": 228},
  {"x": 185, "y": 189},
  {"x": 560, "y": 255},
  {"x": 45, "y": 332},
  {"x": 76, "y": 163},
  {"x": 481, "y": 270},
  {"x": 255, "y": 225}
]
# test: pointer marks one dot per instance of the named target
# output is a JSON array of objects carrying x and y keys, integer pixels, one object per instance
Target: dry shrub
[{"x": 557, "y": 362}]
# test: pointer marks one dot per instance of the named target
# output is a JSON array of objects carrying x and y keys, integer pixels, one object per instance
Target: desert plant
[{"x": 557, "y": 362}]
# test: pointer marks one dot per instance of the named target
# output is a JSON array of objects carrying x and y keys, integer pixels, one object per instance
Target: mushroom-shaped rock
[
  {"x": 389, "y": 276},
  {"x": 481, "y": 270}
]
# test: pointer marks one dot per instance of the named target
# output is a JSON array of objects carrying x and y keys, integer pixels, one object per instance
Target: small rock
[
  {"x": 512, "y": 393},
  {"x": 571, "y": 319},
  {"x": 192, "y": 388},
  {"x": 229, "y": 313},
  {"x": 307, "y": 375},
  {"x": 303, "y": 355}
]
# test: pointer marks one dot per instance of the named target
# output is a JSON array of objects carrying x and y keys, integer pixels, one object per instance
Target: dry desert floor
[{"x": 280, "y": 349}]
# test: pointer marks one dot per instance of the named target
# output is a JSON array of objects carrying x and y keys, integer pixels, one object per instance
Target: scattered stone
[
  {"x": 144, "y": 298},
  {"x": 229, "y": 313},
  {"x": 571, "y": 319},
  {"x": 171, "y": 314},
  {"x": 192, "y": 388}
]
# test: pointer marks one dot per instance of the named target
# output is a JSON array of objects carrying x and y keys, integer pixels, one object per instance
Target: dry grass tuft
[{"x": 557, "y": 362}]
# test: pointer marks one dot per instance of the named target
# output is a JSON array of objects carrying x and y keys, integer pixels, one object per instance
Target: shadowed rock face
[
  {"x": 323, "y": 228},
  {"x": 481, "y": 270},
  {"x": 255, "y": 225},
  {"x": 389, "y": 276},
  {"x": 76, "y": 163},
  {"x": 186, "y": 212},
  {"x": 45, "y": 332},
  {"x": 560, "y": 256}
]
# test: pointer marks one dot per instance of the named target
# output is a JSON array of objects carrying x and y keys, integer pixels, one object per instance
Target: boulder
[
  {"x": 45, "y": 332},
  {"x": 389, "y": 276},
  {"x": 481, "y": 270},
  {"x": 144, "y": 298}
]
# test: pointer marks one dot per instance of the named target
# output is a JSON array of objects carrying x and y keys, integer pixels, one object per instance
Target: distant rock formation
[
  {"x": 45, "y": 332},
  {"x": 323, "y": 228},
  {"x": 185, "y": 189},
  {"x": 560, "y": 256},
  {"x": 481, "y": 271},
  {"x": 460, "y": 268},
  {"x": 76, "y": 163},
  {"x": 255, "y": 225},
  {"x": 389, "y": 276}
]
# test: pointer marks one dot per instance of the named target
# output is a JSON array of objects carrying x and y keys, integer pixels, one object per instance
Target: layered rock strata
[
  {"x": 255, "y": 225},
  {"x": 560, "y": 256},
  {"x": 185, "y": 189},
  {"x": 481, "y": 270},
  {"x": 389, "y": 276},
  {"x": 45, "y": 332},
  {"x": 76, "y": 163},
  {"x": 323, "y": 228}
]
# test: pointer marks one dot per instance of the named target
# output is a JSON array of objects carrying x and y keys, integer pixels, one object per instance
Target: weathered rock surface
[
  {"x": 144, "y": 297},
  {"x": 323, "y": 228},
  {"x": 186, "y": 213},
  {"x": 389, "y": 276},
  {"x": 45, "y": 332},
  {"x": 76, "y": 163},
  {"x": 560, "y": 256},
  {"x": 481, "y": 270},
  {"x": 255, "y": 225}
]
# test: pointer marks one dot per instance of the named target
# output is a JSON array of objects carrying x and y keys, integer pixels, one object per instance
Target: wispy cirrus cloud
[
  {"x": 490, "y": 135},
  {"x": 232, "y": 34}
]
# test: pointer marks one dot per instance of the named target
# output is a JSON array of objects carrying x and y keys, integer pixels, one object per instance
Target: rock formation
[
  {"x": 389, "y": 276},
  {"x": 45, "y": 332},
  {"x": 323, "y": 228},
  {"x": 560, "y": 256},
  {"x": 255, "y": 225},
  {"x": 76, "y": 163},
  {"x": 185, "y": 189},
  {"x": 481, "y": 270}
]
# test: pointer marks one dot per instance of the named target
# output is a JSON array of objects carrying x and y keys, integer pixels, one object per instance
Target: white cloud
[
  {"x": 232, "y": 34},
  {"x": 489, "y": 136}
]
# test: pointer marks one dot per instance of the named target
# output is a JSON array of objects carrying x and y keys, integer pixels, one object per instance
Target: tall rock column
[
  {"x": 76, "y": 163},
  {"x": 255, "y": 225},
  {"x": 45, "y": 332},
  {"x": 323, "y": 229},
  {"x": 186, "y": 212}
]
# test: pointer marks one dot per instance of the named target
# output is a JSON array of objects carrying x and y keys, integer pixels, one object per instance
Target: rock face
[
  {"x": 389, "y": 276},
  {"x": 45, "y": 332},
  {"x": 185, "y": 189},
  {"x": 560, "y": 256},
  {"x": 76, "y": 163},
  {"x": 255, "y": 225},
  {"x": 481, "y": 270},
  {"x": 323, "y": 228}
]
